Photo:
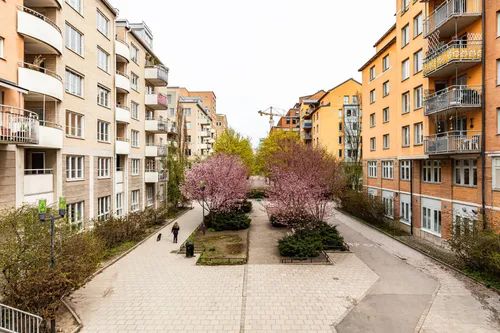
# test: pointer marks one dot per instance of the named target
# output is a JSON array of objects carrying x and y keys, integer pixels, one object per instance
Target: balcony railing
[
  {"x": 18, "y": 125},
  {"x": 451, "y": 9},
  {"x": 156, "y": 75},
  {"x": 307, "y": 124},
  {"x": 464, "y": 52},
  {"x": 38, "y": 171},
  {"x": 40, "y": 16},
  {"x": 40, "y": 69},
  {"x": 463, "y": 97},
  {"x": 454, "y": 142}
]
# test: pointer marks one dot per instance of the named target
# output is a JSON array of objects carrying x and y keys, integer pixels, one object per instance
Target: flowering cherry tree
[
  {"x": 219, "y": 183},
  {"x": 304, "y": 183}
]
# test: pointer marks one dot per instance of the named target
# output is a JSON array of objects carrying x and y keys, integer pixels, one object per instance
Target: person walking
[{"x": 175, "y": 231}]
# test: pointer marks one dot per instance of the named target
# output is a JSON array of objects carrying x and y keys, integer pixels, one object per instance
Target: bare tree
[{"x": 352, "y": 138}]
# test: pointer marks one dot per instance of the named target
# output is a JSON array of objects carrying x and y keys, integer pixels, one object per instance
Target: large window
[
  {"x": 385, "y": 115},
  {"x": 135, "y": 166},
  {"x": 431, "y": 171},
  {"x": 102, "y": 23},
  {"x": 405, "y": 5},
  {"x": 76, "y": 4},
  {"x": 387, "y": 169},
  {"x": 74, "y": 83},
  {"x": 405, "y": 69},
  {"x": 405, "y": 170},
  {"x": 386, "y": 88},
  {"x": 134, "y": 110},
  {"x": 134, "y": 53},
  {"x": 74, "y": 167},
  {"x": 418, "y": 61},
  {"x": 405, "y": 35},
  {"x": 74, "y": 124},
  {"x": 373, "y": 144},
  {"x": 418, "y": 97},
  {"x": 386, "y": 63},
  {"x": 103, "y": 131},
  {"x": 466, "y": 172},
  {"x": 385, "y": 141},
  {"x": 103, "y": 207},
  {"x": 388, "y": 201},
  {"x": 134, "y": 135},
  {"x": 431, "y": 216},
  {"x": 418, "y": 25},
  {"x": 74, "y": 39},
  {"x": 103, "y": 96},
  {"x": 405, "y": 136},
  {"x": 404, "y": 212},
  {"x": 134, "y": 200},
  {"x": 103, "y": 167},
  {"x": 405, "y": 102},
  {"x": 75, "y": 213},
  {"x": 372, "y": 169},
  {"x": 418, "y": 132},
  {"x": 102, "y": 59}
]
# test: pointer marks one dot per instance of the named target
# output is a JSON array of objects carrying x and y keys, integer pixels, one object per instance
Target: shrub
[
  {"x": 257, "y": 193},
  {"x": 363, "y": 206},
  {"x": 245, "y": 207},
  {"x": 293, "y": 220},
  {"x": 227, "y": 221}
]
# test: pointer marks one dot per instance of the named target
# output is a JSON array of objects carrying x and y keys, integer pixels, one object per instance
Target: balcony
[
  {"x": 122, "y": 146},
  {"x": 119, "y": 180},
  {"x": 307, "y": 136},
  {"x": 455, "y": 97},
  {"x": 122, "y": 114},
  {"x": 38, "y": 184},
  {"x": 40, "y": 80},
  {"x": 122, "y": 82},
  {"x": 454, "y": 142},
  {"x": 156, "y": 151},
  {"x": 205, "y": 134},
  {"x": 18, "y": 126},
  {"x": 204, "y": 122},
  {"x": 44, "y": 3},
  {"x": 156, "y": 125},
  {"x": 451, "y": 16},
  {"x": 42, "y": 36},
  {"x": 307, "y": 124},
  {"x": 456, "y": 56},
  {"x": 156, "y": 101},
  {"x": 122, "y": 51},
  {"x": 50, "y": 136},
  {"x": 151, "y": 175},
  {"x": 203, "y": 146},
  {"x": 156, "y": 75}
]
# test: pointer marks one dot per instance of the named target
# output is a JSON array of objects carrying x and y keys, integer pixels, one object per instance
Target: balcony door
[{"x": 35, "y": 163}]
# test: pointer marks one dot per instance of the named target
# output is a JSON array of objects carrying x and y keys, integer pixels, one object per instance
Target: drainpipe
[
  {"x": 411, "y": 198},
  {"x": 483, "y": 117}
]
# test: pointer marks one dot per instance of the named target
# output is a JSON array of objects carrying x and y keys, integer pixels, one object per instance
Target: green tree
[
  {"x": 275, "y": 142},
  {"x": 176, "y": 165},
  {"x": 232, "y": 143}
]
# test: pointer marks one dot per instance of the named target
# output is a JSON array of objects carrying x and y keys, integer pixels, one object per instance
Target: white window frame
[
  {"x": 372, "y": 120},
  {"x": 405, "y": 208},
  {"x": 135, "y": 166},
  {"x": 135, "y": 200},
  {"x": 103, "y": 96},
  {"x": 405, "y": 35},
  {"x": 431, "y": 171},
  {"x": 102, "y": 59},
  {"x": 103, "y": 130},
  {"x": 495, "y": 173},
  {"x": 373, "y": 96},
  {"x": 385, "y": 115},
  {"x": 103, "y": 167},
  {"x": 134, "y": 138},
  {"x": 388, "y": 202},
  {"x": 386, "y": 63},
  {"x": 103, "y": 207},
  {"x": 386, "y": 143},
  {"x": 74, "y": 83},
  {"x": 134, "y": 81},
  {"x": 134, "y": 110},
  {"x": 75, "y": 124},
  {"x": 76, "y": 5},
  {"x": 373, "y": 144},
  {"x": 373, "y": 73},
  {"x": 418, "y": 25},
  {"x": 418, "y": 61},
  {"x": 431, "y": 216},
  {"x": 75, "y": 165},
  {"x": 418, "y": 134},
  {"x": 150, "y": 196},
  {"x": 405, "y": 170},
  {"x": 74, "y": 39},
  {"x": 387, "y": 169},
  {"x": 2, "y": 47},
  {"x": 134, "y": 53},
  {"x": 76, "y": 213},
  {"x": 467, "y": 172},
  {"x": 119, "y": 204},
  {"x": 405, "y": 69},
  {"x": 102, "y": 23},
  {"x": 386, "y": 88},
  {"x": 405, "y": 136},
  {"x": 372, "y": 169},
  {"x": 418, "y": 97},
  {"x": 405, "y": 102}
]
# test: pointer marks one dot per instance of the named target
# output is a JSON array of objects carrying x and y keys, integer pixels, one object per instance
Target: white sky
[{"x": 258, "y": 53}]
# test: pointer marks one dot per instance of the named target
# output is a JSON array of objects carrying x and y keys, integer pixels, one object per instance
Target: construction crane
[{"x": 272, "y": 112}]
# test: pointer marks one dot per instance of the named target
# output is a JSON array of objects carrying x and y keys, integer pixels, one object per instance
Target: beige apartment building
[
  {"x": 221, "y": 124},
  {"x": 431, "y": 119},
  {"x": 81, "y": 115}
]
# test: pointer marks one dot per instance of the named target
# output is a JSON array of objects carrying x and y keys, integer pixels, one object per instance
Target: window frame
[
  {"x": 100, "y": 14},
  {"x": 373, "y": 144},
  {"x": 100, "y": 51},
  {"x": 461, "y": 167},
  {"x": 386, "y": 117},
  {"x": 388, "y": 169},
  {"x": 405, "y": 136},
  {"x": 77, "y": 208},
  {"x": 103, "y": 207},
  {"x": 69, "y": 32},
  {"x": 405, "y": 35},
  {"x": 135, "y": 200},
  {"x": 405, "y": 102},
  {"x": 103, "y": 167},
  {"x": 386, "y": 63},
  {"x": 418, "y": 25},
  {"x": 386, "y": 89},
  {"x": 431, "y": 171},
  {"x": 69, "y": 74},
  {"x": 418, "y": 61},
  {"x": 81, "y": 121},
  {"x": 76, "y": 169},
  {"x": 372, "y": 120},
  {"x": 418, "y": 96},
  {"x": 405, "y": 68},
  {"x": 418, "y": 139},
  {"x": 103, "y": 136},
  {"x": 386, "y": 143},
  {"x": 372, "y": 169},
  {"x": 405, "y": 170},
  {"x": 103, "y": 94}
]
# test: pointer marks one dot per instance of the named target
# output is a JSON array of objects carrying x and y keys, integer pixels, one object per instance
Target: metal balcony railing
[
  {"x": 38, "y": 171},
  {"x": 453, "y": 97},
  {"x": 18, "y": 125},
  {"x": 456, "y": 51},
  {"x": 453, "y": 142},
  {"x": 15, "y": 320},
  {"x": 451, "y": 9}
]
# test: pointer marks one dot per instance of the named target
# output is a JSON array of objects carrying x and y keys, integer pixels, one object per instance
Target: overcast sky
[{"x": 258, "y": 53}]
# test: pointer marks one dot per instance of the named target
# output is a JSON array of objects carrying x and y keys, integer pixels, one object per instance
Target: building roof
[
  {"x": 382, "y": 50},
  {"x": 391, "y": 29},
  {"x": 329, "y": 91}
]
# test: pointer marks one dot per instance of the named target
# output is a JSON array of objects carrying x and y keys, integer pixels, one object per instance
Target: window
[
  {"x": 405, "y": 170},
  {"x": 372, "y": 169},
  {"x": 340, "y": 153},
  {"x": 103, "y": 167},
  {"x": 102, "y": 60},
  {"x": 373, "y": 144},
  {"x": 418, "y": 97},
  {"x": 74, "y": 167},
  {"x": 372, "y": 120},
  {"x": 372, "y": 73},
  {"x": 76, "y": 4},
  {"x": 103, "y": 207},
  {"x": 405, "y": 69},
  {"x": 418, "y": 61},
  {"x": 387, "y": 169},
  {"x": 431, "y": 216},
  {"x": 372, "y": 193},
  {"x": 340, "y": 140},
  {"x": 372, "y": 96},
  {"x": 102, "y": 131},
  {"x": 2, "y": 45},
  {"x": 431, "y": 171},
  {"x": 405, "y": 102},
  {"x": 134, "y": 202},
  {"x": 135, "y": 164},
  {"x": 466, "y": 172},
  {"x": 418, "y": 25},
  {"x": 385, "y": 141},
  {"x": 496, "y": 173},
  {"x": 171, "y": 114},
  {"x": 404, "y": 212},
  {"x": 134, "y": 110},
  {"x": 405, "y": 35},
  {"x": 102, "y": 23},
  {"x": 187, "y": 112},
  {"x": 134, "y": 138},
  {"x": 406, "y": 136},
  {"x": 385, "y": 88},
  {"x": 103, "y": 96},
  {"x": 74, "y": 83},
  {"x": 498, "y": 24},
  {"x": 388, "y": 201},
  {"x": 405, "y": 5},
  {"x": 74, "y": 124},
  {"x": 418, "y": 133},
  {"x": 119, "y": 204},
  {"x": 134, "y": 53},
  {"x": 134, "y": 81},
  {"x": 354, "y": 99},
  {"x": 74, "y": 39},
  {"x": 498, "y": 72},
  {"x": 75, "y": 214},
  {"x": 386, "y": 63},
  {"x": 149, "y": 196},
  {"x": 385, "y": 115},
  {"x": 346, "y": 101}
]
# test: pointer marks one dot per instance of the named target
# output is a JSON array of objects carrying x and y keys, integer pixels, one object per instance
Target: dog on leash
[{"x": 158, "y": 238}]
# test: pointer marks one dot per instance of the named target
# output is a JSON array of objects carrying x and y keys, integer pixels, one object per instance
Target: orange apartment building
[
  {"x": 289, "y": 122},
  {"x": 431, "y": 121}
]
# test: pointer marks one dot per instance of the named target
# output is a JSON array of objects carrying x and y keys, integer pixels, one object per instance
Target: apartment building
[
  {"x": 221, "y": 124},
  {"x": 428, "y": 148},
  {"x": 77, "y": 117},
  {"x": 306, "y": 105},
  {"x": 289, "y": 122}
]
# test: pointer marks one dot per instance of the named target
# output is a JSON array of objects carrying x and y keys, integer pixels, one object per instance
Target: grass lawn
[{"x": 221, "y": 247}]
